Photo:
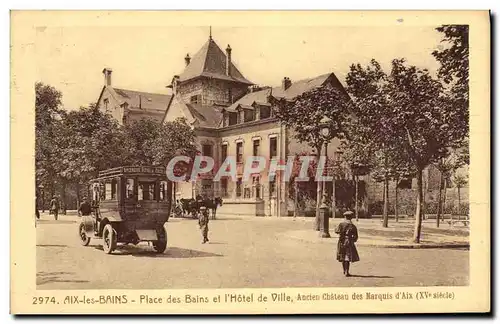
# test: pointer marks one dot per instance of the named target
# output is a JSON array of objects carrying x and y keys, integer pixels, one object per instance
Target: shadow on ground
[
  {"x": 171, "y": 252},
  {"x": 371, "y": 276},
  {"x": 53, "y": 221},
  {"x": 48, "y": 277}
]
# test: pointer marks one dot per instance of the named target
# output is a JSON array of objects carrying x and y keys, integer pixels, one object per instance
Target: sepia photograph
[{"x": 260, "y": 160}]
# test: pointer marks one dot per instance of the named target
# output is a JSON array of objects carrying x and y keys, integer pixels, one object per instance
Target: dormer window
[
  {"x": 106, "y": 104},
  {"x": 233, "y": 118},
  {"x": 265, "y": 112},
  {"x": 196, "y": 99}
]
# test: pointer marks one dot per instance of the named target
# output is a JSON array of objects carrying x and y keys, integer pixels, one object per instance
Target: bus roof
[{"x": 135, "y": 170}]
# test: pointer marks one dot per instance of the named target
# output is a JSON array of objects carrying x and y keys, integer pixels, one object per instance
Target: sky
[{"x": 146, "y": 58}]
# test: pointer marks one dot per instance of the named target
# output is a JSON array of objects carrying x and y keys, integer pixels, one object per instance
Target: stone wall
[{"x": 212, "y": 91}]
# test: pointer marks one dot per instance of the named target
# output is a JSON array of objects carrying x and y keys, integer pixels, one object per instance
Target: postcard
[{"x": 260, "y": 162}]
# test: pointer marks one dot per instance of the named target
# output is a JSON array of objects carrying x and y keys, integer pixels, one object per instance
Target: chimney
[
  {"x": 187, "y": 59},
  {"x": 228, "y": 60},
  {"x": 286, "y": 83},
  {"x": 107, "y": 76}
]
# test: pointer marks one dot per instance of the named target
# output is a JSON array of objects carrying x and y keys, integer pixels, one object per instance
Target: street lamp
[{"x": 324, "y": 215}]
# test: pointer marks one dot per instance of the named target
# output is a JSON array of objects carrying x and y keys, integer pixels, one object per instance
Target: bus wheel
[
  {"x": 160, "y": 245},
  {"x": 108, "y": 239}
]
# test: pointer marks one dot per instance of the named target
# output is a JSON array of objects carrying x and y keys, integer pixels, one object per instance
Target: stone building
[{"x": 231, "y": 117}]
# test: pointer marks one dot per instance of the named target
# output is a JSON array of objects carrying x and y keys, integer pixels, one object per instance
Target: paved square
[{"x": 243, "y": 252}]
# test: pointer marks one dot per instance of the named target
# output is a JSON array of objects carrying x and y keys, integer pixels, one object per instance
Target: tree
[
  {"x": 454, "y": 59},
  {"x": 454, "y": 71},
  {"x": 301, "y": 190},
  {"x": 305, "y": 113},
  {"x": 47, "y": 123},
  {"x": 460, "y": 182},
  {"x": 410, "y": 113},
  {"x": 359, "y": 157},
  {"x": 91, "y": 141},
  {"x": 140, "y": 138}
]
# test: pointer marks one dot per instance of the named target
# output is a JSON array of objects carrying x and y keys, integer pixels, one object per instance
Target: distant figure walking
[
  {"x": 348, "y": 235},
  {"x": 54, "y": 207},
  {"x": 203, "y": 222}
]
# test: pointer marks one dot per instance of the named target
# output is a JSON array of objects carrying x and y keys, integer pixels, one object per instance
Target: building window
[
  {"x": 207, "y": 187},
  {"x": 207, "y": 150},
  {"x": 223, "y": 187},
  {"x": 223, "y": 152},
  {"x": 195, "y": 99},
  {"x": 248, "y": 115},
  {"x": 273, "y": 147},
  {"x": 256, "y": 145},
  {"x": 272, "y": 187},
  {"x": 405, "y": 183},
  {"x": 233, "y": 118},
  {"x": 238, "y": 188},
  {"x": 239, "y": 152},
  {"x": 106, "y": 104},
  {"x": 256, "y": 183},
  {"x": 265, "y": 112}
]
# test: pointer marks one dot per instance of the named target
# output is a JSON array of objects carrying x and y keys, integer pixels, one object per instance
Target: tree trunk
[
  {"x": 424, "y": 189},
  {"x": 77, "y": 195},
  {"x": 458, "y": 211},
  {"x": 356, "y": 204},
  {"x": 386, "y": 203},
  {"x": 444, "y": 198},
  {"x": 440, "y": 200},
  {"x": 396, "y": 192},
  {"x": 63, "y": 197},
  {"x": 418, "y": 212}
]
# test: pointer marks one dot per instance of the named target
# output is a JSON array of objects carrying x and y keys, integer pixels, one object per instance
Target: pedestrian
[
  {"x": 54, "y": 207},
  {"x": 85, "y": 209},
  {"x": 348, "y": 235},
  {"x": 203, "y": 222}
]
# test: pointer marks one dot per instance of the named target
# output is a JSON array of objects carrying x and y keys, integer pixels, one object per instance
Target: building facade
[{"x": 231, "y": 117}]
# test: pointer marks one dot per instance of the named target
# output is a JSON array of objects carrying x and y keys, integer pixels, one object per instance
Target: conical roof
[{"x": 210, "y": 61}]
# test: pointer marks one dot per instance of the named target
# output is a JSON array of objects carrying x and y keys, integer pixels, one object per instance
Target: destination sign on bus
[{"x": 144, "y": 169}]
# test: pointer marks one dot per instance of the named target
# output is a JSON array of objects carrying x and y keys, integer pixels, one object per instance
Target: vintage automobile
[{"x": 129, "y": 205}]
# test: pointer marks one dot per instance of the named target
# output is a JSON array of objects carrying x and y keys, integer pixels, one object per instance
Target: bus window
[
  {"x": 108, "y": 191},
  {"x": 114, "y": 189},
  {"x": 129, "y": 190},
  {"x": 146, "y": 190},
  {"x": 163, "y": 190}
]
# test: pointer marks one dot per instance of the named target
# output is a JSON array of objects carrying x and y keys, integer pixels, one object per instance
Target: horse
[
  {"x": 190, "y": 206},
  {"x": 212, "y": 204}
]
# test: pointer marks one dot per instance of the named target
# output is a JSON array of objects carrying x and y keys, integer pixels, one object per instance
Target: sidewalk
[{"x": 397, "y": 235}]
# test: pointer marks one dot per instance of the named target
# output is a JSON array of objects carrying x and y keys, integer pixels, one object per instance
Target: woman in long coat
[{"x": 348, "y": 235}]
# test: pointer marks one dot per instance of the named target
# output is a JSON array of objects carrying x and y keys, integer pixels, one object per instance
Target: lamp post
[{"x": 324, "y": 213}]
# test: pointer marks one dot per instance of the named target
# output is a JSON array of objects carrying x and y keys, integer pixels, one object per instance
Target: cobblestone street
[{"x": 242, "y": 252}]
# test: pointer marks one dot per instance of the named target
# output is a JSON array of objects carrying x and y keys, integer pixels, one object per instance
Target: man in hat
[
  {"x": 85, "y": 209},
  {"x": 54, "y": 206},
  {"x": 203, "y": 222},
  {"x": 348, "y": 235}
]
